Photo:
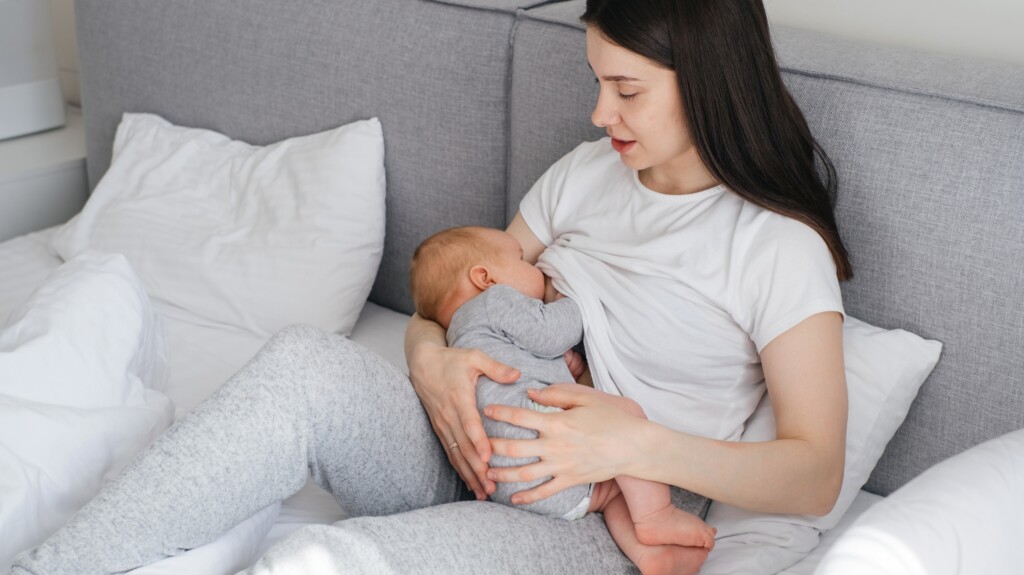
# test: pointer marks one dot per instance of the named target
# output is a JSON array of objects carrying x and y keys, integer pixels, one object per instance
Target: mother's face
[{"x": 640, "y": 107}]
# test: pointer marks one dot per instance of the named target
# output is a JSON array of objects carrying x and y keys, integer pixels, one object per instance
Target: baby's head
[{"x": 452, "y": 266}]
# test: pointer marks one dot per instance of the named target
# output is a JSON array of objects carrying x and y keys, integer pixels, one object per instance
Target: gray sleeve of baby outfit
[{"x": 546, "y": 330}]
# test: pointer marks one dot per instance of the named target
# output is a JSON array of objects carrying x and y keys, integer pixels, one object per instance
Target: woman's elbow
[{"x": 827, "y": 489}]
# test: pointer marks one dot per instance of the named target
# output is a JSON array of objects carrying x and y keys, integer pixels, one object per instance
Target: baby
[{"x": 474, "y": 283}]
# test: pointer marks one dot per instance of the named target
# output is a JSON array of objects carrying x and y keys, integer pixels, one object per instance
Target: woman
[
  {"x": 748, "y": 135},
  {"x": 691, "y": 95}
]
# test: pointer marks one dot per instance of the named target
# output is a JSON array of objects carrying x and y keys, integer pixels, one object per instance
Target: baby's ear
[{"x": 480, "y": 276}]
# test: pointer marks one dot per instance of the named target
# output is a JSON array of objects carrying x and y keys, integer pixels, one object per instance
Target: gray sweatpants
[{"x": 316, "y": 402}]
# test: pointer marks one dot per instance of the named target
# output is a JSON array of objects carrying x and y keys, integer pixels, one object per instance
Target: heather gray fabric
[
  {"x": 316, "y": 402},
  {"x": 994, "y": 84},
  {"x": 928, "y": 151},
  {"x": 531, "y": 336},
  {"x": 465, "y": 538},
  {"x": 552, "y": 96},
  {"x": 457, "y": 539},
  {"x": 435, "y": 74},
  {"x": 307, "y": 402}
]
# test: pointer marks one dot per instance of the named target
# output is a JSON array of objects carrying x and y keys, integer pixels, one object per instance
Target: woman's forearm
[
  {"x": 781, "y": 476},
  {"x": 421, "y": 331}
]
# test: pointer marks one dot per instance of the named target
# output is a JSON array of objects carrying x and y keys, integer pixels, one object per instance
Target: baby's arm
[{"x": 546, "y": 330}]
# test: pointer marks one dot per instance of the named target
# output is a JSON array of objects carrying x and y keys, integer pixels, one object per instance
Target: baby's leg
[
  {"x": 657, "y": 521},
  {"x": 650, "y": 559}
]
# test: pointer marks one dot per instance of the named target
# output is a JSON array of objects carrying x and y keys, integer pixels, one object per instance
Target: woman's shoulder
[{"x": 762, "y": 229}]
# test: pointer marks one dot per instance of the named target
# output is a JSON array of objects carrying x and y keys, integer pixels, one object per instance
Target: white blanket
[{"x": 76, "y": 361}]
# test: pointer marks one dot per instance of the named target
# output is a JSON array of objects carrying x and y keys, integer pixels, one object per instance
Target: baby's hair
[{"x": 441, "y": 261}]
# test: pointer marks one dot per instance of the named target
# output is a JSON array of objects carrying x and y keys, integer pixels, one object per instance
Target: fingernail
[
  {"x": 492, "y": 475},
  {"x": 488, "y": 411}
]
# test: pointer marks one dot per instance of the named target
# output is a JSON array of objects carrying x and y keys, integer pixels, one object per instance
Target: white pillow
[
  {"x": 963, "y": 516},
  {"x": 74, "y": 409},
  {"x": 247, "y": 236},
  {"x": 884, "y": 370}
]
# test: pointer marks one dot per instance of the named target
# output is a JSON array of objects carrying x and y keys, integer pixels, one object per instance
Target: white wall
[{"x": 991, "y": 29}]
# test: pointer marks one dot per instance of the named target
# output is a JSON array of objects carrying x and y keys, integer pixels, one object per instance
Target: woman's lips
[{"x": 623, "y": 146}]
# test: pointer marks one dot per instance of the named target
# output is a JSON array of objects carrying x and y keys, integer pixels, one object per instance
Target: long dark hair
[{"x": 747, "y": 129}]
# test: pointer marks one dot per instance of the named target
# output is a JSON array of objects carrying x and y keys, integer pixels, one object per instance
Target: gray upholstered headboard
[
  {"x": 478, "y": 97},
  {"x": 435, "y": 73}
]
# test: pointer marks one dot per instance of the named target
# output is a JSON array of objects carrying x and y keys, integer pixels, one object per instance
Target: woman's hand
[
  {"x": 445, "y": 381},
  {"x": 599, "y": 436}
]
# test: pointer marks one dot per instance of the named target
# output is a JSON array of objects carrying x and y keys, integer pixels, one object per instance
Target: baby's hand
[
  {"x": 577, "y": 365},
  {"x": 550, "y": 293}
]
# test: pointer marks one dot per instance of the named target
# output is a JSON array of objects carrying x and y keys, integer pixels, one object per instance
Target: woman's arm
[
  {"x": 800, "y": 472},
  {"x": 445, "y": 381}
]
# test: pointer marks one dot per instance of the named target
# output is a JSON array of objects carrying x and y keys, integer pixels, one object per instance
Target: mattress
[{"x": 203, "y": 356}]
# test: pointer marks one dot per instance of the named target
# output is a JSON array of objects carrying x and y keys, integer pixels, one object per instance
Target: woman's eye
[{"x": 627, "y": 96}]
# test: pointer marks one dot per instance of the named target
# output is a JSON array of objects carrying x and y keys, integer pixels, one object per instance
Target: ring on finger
[{"x": 453, "y": 446}]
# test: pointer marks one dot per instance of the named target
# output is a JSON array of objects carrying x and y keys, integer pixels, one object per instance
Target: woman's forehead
[{"x": 613, "y": 63}]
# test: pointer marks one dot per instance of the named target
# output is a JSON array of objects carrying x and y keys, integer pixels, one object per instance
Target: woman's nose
[{"x": 604, "y": 113}]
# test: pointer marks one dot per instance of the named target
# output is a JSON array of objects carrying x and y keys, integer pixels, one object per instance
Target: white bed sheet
[{"x": 203, "y": 356}]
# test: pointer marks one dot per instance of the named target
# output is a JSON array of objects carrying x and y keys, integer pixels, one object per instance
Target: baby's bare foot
[
  {"x": 671, "y": 560},
  {"x": 672, "y": 526}
]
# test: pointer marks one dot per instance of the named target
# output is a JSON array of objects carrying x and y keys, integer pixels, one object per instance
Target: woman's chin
[{"x": 633, "y": 163}]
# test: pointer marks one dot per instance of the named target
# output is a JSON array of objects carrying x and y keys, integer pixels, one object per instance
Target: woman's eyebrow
[{"x": 616, "y": 78}]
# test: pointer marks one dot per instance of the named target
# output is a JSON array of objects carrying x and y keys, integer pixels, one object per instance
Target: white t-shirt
[{"x": 679, "y": 293}]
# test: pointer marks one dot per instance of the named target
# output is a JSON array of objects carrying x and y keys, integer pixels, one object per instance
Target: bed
[
  {"x": 203, "y": 357},
  {"x": 502, "y": 90}
]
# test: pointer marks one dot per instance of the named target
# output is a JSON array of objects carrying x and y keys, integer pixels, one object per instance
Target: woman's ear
[{"x": 481, "y": 277}]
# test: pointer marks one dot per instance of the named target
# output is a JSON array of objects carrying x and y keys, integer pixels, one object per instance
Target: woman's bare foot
[{"x": 672, "y": 526}]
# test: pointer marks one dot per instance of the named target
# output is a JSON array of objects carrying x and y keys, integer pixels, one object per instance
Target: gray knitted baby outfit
[{"x": 531, "y": 336}]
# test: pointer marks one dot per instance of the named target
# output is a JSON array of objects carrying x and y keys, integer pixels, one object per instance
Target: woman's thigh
[
  {"x": 371, "y": 444},
  {"x": 468, "y": 537}
]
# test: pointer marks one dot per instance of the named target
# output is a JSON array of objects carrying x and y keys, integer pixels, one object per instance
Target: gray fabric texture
[
  {"x": 930, "y": 207},
  {"x": 929, "y": 204},
  {"x": 307, "y": 402},
  {"x": 994, "y": 84},
  {"x": 532, "y": 337},
  {"x": 435, "y": 74},
  {"x": 509, "y": 6},
  {"x": 312, "y": 402},
  {"x": 466, "y": 538}
]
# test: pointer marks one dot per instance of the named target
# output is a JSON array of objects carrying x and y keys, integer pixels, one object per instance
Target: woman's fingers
[
  {"x": 520, "y": 474},
  {"x": 542, "y": 491},
  {"x": 470, "y": 425},
  {"x": 494, "y": 369},
  {"x": 516, "y": 416},
  {"x": 527, "y": 473},
  {"x": 462, "y": 459},
  {"x": 517, "y": 448},
  {"x": 563, "y": 395},
  {"x": 458, "y": 462}
]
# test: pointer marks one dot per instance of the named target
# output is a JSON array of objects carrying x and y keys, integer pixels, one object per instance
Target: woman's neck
[{"x": 685, "y": 176}]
